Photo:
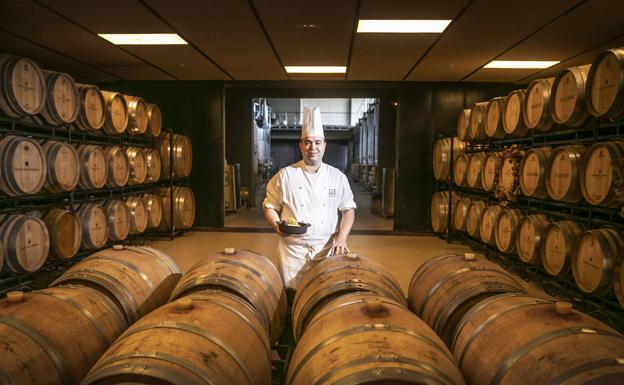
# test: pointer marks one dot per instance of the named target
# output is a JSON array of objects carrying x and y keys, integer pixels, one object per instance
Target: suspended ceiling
[{"x": 254, "y": 39}]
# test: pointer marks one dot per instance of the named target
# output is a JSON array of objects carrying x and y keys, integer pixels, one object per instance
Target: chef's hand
[{"x": 339, "y": 247}]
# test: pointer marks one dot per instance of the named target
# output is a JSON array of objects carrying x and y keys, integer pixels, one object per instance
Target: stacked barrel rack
[
  {"x": 67, "y": 148},
  {"x": 534, "y": 179}
]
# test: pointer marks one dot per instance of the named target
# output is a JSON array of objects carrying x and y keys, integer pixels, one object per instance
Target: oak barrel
[
  {"x": 557, "y": 245},
  {"x": 248, "y": 275},
  {"x": 494, "y": 118},
  {"x": 138, "y": 279},
  {"x": 22, "y": 87},
  {"x": 93, "y": 167},
  {"x": 365, "y": 338},
  {"x": 473, "y": 220},
  {"x": 153, "y": 165},
  {"x": 618, "y": 281},
  {"x": 490, "y": 174},
  {"x": 605, "y": 84},
  {"x": 530, "y": 237},
  {"x": 118, "y": 216},
  {"x": 154, "y": 120},
  {"x": 336, "y": 276},
  {"x": 507, "y": 230},
  {"x": 206, "y": 338},
  {"x": 182, "y": 156},
  {"x": 442, "y": 156},
  {"x": 563, "y": 173},
  {"x": 536, "y": 109},
  {"x": 595, "y": 254},
  {"x": 533, "y": 172},
  {"x": 92, "y": 108},
  {"x": 440, "y": 210},
  {"x": 487, "y": 230},
  {"x": 62, "y": 99},
  {"x": 115, "y": 113},
  {"x": 138, "y": 165},
  {"x": 513, "y": 122},
  {"x": 475, "y": 169},
  {"x": 600, "y": 173},
  {"x": 478, "y": 121},
  {"x": 183, "y": 208},
  {"x": 54, "y": 336},
  {"x": 460, "y": 214},
  {"x": 568, "y": 97},
  {"x": 444, "y": 288},
  {"x": 118, "y": 166},
  {"x": 65, "y": 232},
  {"x": 510, "y": 339},
  {"x": 94, "y": 225},
  {"x": 138, "y": 214},
  {"x": 463, "y": 124},
  {"x": 22, "y": 166},
  {"x": 137, "y": 115},
  {"x": 460, "y": 170},
  {"x": 153, "y": 205},
  {"x": 63, "y": 166},
  {"x": 509, "y": 179},
  {"x": 26, "y": 243}
]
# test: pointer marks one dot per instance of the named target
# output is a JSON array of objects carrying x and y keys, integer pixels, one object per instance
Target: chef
[{"x": 313, "y": 192}]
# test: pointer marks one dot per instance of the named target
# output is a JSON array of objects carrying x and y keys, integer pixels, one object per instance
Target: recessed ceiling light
[
  {"x": 521, "y": 64},
  {"x": 402, "y": 26},
  {"x": 316, "y": 69},
  {"x": 143, "y": 38},
  {"x": 308, "y": 26}
]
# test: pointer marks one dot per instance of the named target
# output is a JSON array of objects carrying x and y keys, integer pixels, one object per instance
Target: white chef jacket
[{"x": 314, "y": 198}]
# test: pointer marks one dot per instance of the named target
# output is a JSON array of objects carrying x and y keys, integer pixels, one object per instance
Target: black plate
[{"x": 301, "y": 229}]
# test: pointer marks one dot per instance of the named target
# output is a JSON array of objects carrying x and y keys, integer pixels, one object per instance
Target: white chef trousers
[{"x": 297, "y": 256}]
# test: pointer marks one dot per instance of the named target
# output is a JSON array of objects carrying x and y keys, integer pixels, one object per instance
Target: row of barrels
[
  {"x": 54, "y": 98},
  {"x": 567, "y": 99},
  {"x": 499, "y": 335},
  {"x": 27, "y": 241},
  {"x": 569, "y": 173},
  {"x": 594, "y": 257}
]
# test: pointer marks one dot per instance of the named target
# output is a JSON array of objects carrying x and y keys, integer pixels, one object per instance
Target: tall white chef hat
[{"x": 312, "y": 124}]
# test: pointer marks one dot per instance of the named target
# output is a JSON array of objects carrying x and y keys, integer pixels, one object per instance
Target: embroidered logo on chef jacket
[{"x": 332, "y": 192}]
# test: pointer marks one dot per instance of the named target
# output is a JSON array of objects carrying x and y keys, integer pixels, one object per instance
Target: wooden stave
[
  {"x": 138, "y": 214},
  {"x": 10, "y": 229},
  {"x": 60, "y": 234},
  {"x": 179, "y": 207},
  {"x": 154, "y": 217},
  {"x": 616, "y": 109},
  {"x": 207, "y": 338},
  {"x": 109, "y": 126},
  {"x": 612, "y": 244},
  {"x": 8, "y": 103},
  {"x": 49, "y": 114},
  {"x": 498, "y": 165},
  {"x": 336, "y": 276},
  {"x": 495, "y": 211},
  {"x": 542, "y": 155},
  {"x": 153, "y": 164},
  {"x": 539, "y": 222},
  {"x": 154, "y": 119},
  {"x": 495, "y": 130},
  {"x": 463, "y": 124},
  {"x": 117, "y": 212},
  {"x": 58, "y": 332},
  {"x": 520, "y": 129},
  {"x": 84, "y": 155},
  {"x": 475, "y": 181},
  {"x": 574, "y": 195},
  {"x": 460, "y": 214},
  {"x": 478, "y": 121},
  {"x": 139, "y": 279},
  {"x": 137, "y": 115},
  {"x": 112, "y": 155},
  {"x": 514, "y": 218},
  {"x": 571, "y": 231},
  {"x": 248, "y": 275},
  {"x": 8, "y": 184},
  {"x": 138, "y": 165},
  {"x": 580, "y": 112},
  {"x": 615, "y": 148},
  {"x": 411, "y": 353},
  {"x": 84, "y": 213},
  {"x": 52, "y": 183},
  {"x": 82, "y": 122},
  {"x": 520, "y": 331},
  {"x": 460, "y": 178},
  {"x": 446, "y": 287},
  {"x": 479, "y": 207},
  {"x": 545, "y": 122}
]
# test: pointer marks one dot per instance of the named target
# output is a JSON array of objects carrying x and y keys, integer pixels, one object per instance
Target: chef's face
[{"x": 312, "y": 149}]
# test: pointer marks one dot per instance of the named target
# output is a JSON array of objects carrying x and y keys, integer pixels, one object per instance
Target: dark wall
[
  {"x": 195, "y": 109},
  {"x": 424, "y": 111}
]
